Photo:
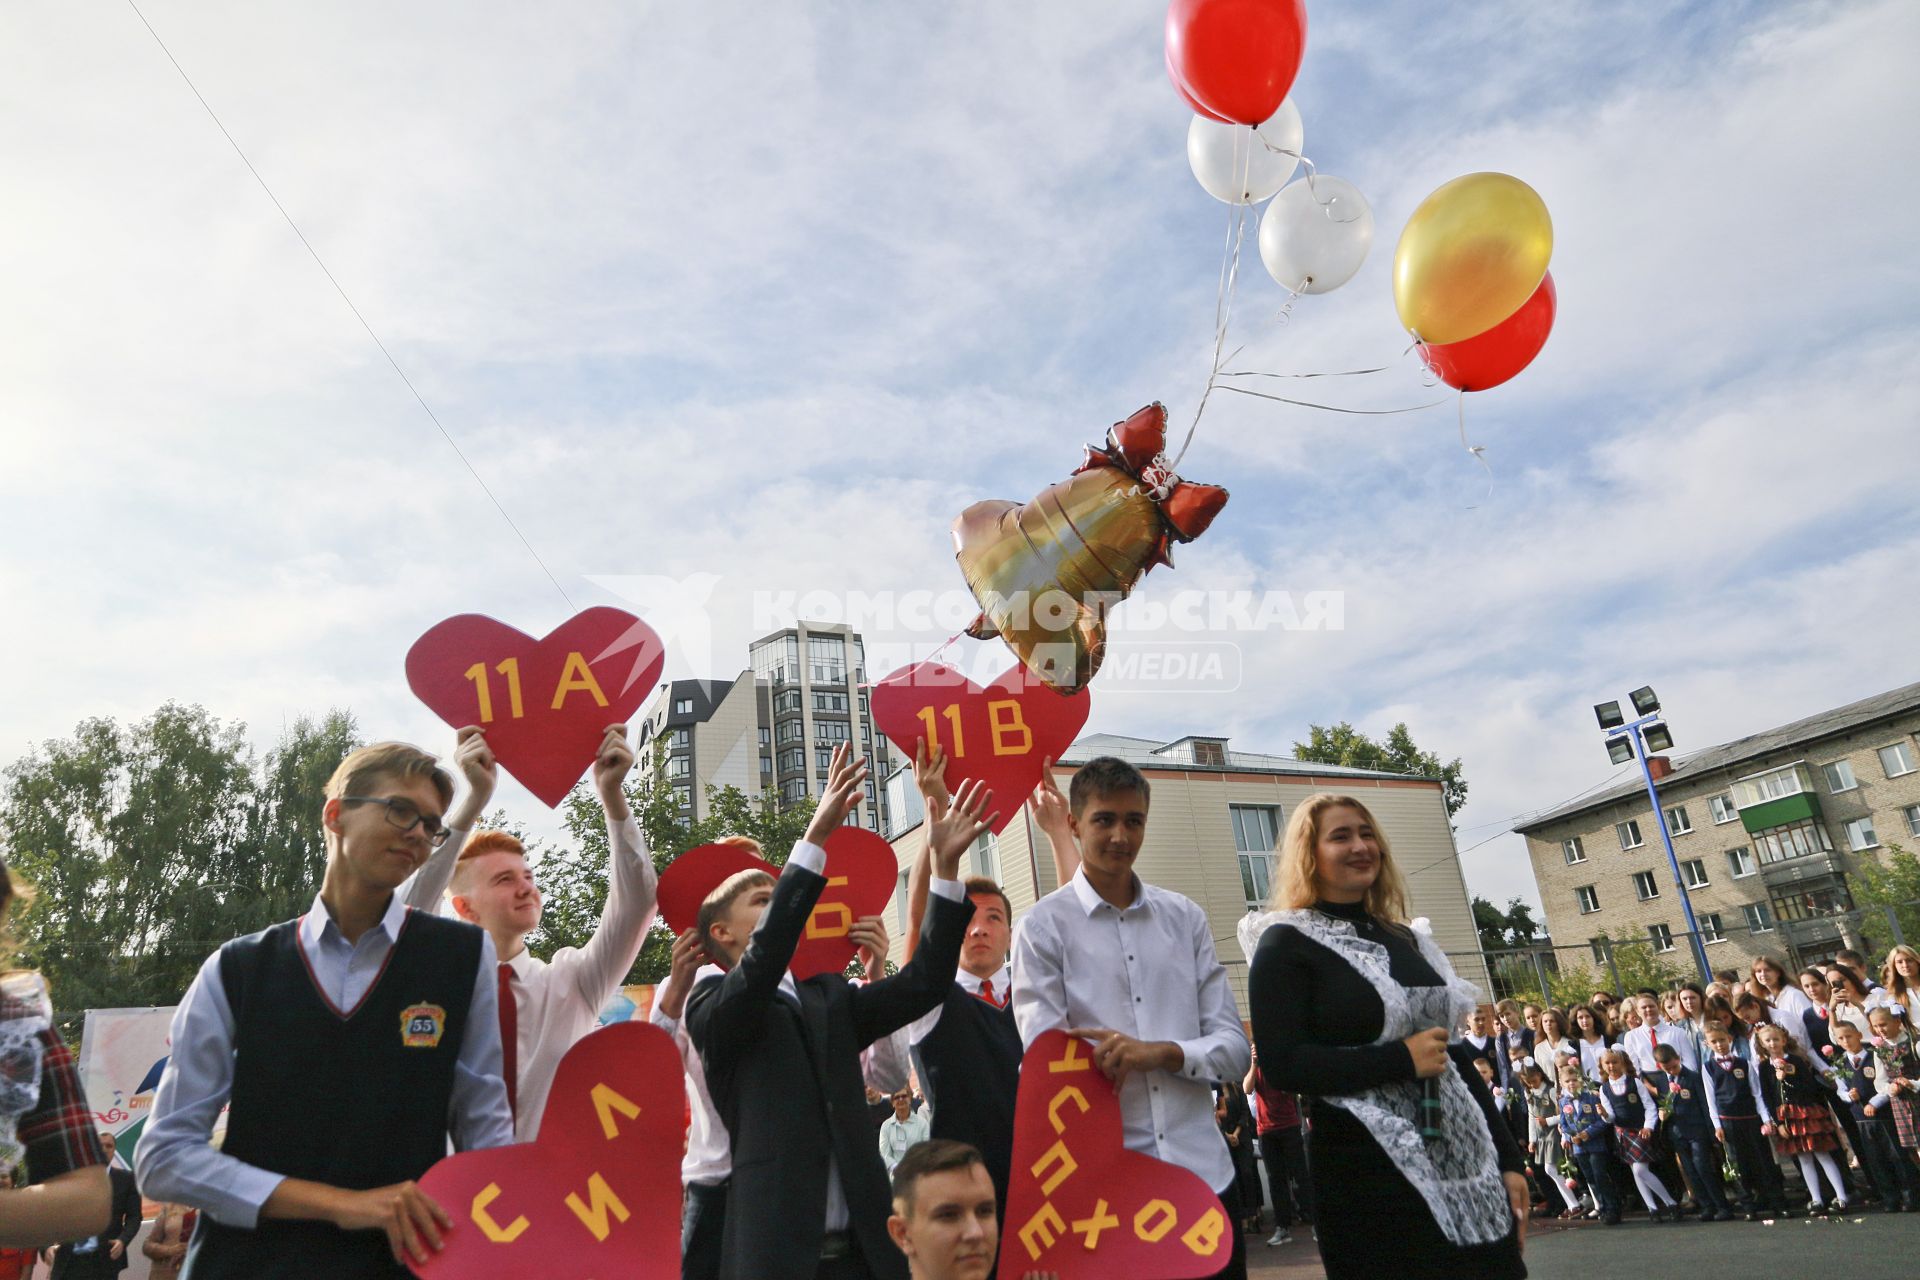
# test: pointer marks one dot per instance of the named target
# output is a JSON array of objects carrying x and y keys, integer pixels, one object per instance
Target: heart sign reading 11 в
[
  {"x": 999, "y": 735},
  {"x": 597, "y": 1194},
  {"x": 545, "y": 704},
  {"x": 1081, "y": 1205},
  {"x": 861, "y": 875}
]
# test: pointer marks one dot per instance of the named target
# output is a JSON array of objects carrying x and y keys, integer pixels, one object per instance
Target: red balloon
[
  {"x": 1186, "y": 94},
  {"x": 1489, "y": 359},
  {"x": 1236, "y": 59}
]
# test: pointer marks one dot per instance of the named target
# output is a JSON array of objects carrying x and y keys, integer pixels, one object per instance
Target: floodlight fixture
[
  {"x": 1609, "y": 715},
  {"x": 1657, "y": 737},
  {"x": 1620, "y": 749},
  {"x": 1644, "y": 703}
]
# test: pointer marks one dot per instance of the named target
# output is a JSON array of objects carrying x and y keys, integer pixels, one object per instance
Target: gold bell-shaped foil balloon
[{"x": 1046, "y": 571}]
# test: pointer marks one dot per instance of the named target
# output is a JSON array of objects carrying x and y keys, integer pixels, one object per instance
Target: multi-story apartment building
[
  {"x": 1767, "y": 831},
  {"x": 1215, "y": 819},
  {"x": 775, "y": 725}
]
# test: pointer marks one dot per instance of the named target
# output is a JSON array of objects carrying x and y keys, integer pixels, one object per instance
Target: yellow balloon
[{"x": 1472, "y": 253}]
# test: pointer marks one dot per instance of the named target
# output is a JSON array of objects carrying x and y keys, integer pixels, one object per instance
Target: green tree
[
  {"x": 1345, "y": 745},
  {"x": 1639, "y": 965},
  {"x": 573, "y": 874},
  {"x": 1894, "y": 881},
  {"x": 1505, "y": 930},
  {"x": 147, "y": 846}
]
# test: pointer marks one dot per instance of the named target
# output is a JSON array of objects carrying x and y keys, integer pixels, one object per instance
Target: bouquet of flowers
[{"x": 1663, "y": 1103}]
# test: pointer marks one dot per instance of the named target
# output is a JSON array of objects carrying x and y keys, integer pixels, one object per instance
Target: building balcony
[{"x": 1808, "y": 866}]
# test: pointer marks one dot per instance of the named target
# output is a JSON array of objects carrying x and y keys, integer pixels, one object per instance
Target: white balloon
[
  {"x": 1313, "y": 238},
  {"x": 1220, "y": 153}
]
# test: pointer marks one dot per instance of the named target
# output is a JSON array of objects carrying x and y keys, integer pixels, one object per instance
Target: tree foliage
[
  {"x": 145, "y": 846},
  {"x": 1343, "y": 744},
  {"x": 1893, "y": 881},
  {"x": 1637, "y": 963},
  {"x": 1503, "y": 930},
  {"x": 573, "y": 874}
]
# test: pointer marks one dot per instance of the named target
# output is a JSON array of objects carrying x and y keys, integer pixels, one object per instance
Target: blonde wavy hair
[{"x": 1298, "y": 883}]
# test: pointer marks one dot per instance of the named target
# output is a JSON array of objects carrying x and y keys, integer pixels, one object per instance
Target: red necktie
[
  {"x": 1653, "y": 1045},
  {"x": 510, "y": 1040},
  {"x": 986, "y": 993}
]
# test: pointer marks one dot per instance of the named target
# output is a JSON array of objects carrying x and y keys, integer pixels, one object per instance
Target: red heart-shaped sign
[
  {"x": 545, "y": 704},
  {"x": 999, "y": 735},
  {"x": 861, "y": 874},
  {"x": 597, "y": 1194},
  {"x": 1084, "y": 1207}
]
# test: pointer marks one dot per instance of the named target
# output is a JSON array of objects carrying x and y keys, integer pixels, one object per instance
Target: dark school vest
[
  {"x": 1689, "y": 1116},
  {"x": 1628, "y": 1111},
  {"x": 1732, "y": 1091},
  {"x": 970, "y": 1068},
  {"x": 352, "y": 1098}
]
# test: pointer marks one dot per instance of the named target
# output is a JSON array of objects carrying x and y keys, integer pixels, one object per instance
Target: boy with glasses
[{"x": 349, "y": 1045}]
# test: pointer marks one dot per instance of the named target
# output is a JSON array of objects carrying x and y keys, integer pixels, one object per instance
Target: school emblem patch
[
  {"x": 422, "y": 1025},
  {"x": 1739, "y": 1073}
]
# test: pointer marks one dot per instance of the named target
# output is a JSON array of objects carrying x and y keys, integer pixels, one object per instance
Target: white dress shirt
[
  {"x": 1640, "y": 1042},
  {"x": 559, "y": 1000},
  {"x": 1590, "y": 1051},
  {"x": 1790, "y": 1004},
  {"x": 174, "y": 1161},
  {"x": 922, "y": 1027},
  {"x": 897, "y": 1136},
  {"x": 709, "y": 1158},
  {"x": 1149, "y": 971},
  {"x": 1547, "y": 1055}
]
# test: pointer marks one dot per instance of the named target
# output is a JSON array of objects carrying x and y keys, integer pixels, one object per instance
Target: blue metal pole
[{"x": 1673, "y": 862}]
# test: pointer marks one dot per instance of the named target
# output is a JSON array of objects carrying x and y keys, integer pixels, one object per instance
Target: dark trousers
[
  {"x": 702, "y": 1219},
  {"x": 1593, "y": 1164},
  {"x": 1285, "y": 1152},
  {"x": 1759, "y": 1173},
  {"x": 1236, "y": 1268},
  {"x": 1700, "y": 1161},
  {"x": 1890, "y": 1168}
]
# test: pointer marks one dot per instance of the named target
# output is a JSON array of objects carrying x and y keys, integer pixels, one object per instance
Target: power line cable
[{"x": 319, "y": 262}]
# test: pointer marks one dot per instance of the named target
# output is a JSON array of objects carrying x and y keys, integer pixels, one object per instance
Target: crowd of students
[{"x": 1691, "y": 1101}]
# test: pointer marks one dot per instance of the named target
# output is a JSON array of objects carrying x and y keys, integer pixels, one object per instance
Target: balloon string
[
  {"x": 1333, "y": 408},
  {"x": 1340, "y": 373},
  {"x": 1479, "y": 451}
]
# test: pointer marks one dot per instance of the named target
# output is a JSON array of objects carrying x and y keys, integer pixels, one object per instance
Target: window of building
[
  {"x": 1662, "y": 937},
  {"x": 1839, "y": 776},
  {"x": 683, "y": 707},
  {"x": 1599, "y": 948},
  {"x": 1629, "y": 833},
  {"x": 1762, "y": 787},
  {"x": 1897, "y": 759},
  {"x": 1589, "y": 899},
  {"x": 766, "y": 766},
  {"x": 1860, "y": 835},
  {"x": 1912, "y": 814},
  {"x": 679, "y": 738},
  {"x": 900, "y": 900},
  {"x": 1721, "y": 807},
  {"x": 793, "y": 790},
  {"x": 823, "y": 759},
  {"x": 986, "y": 856},
  {"x": 1712, "y": 929},
  {"x": 1209, "y": 753},
  {"x": 1694, "y": 872},
  {"x": 1573, "y": 851},
  {"x": 793, "y": 759},
  {"x": 1759, "y": 919},
  {"x": 679, "y": 767},
  {"x": 1678, "y": 824},
  {"x": 1797, "y": 840},
  {"x": 790, "y": 731},
  {"x": 832, "y": 731},
  {"x": 1255, "y": 827},
  {"x": 1796, "y": 903},
  {"x": 1645, "y": 886},
  {"x": 823, "y": 701},
  {"x": 1740, "y": 862},
  {"x": 683, "y": 796},
  {"x": 766, "y": 736},
  {"x": 786, "y": 702}
]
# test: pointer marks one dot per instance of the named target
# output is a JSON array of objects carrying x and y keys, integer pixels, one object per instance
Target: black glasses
[{"x": 405, "y": 815}]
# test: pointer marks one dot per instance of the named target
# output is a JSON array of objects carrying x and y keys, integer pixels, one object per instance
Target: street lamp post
[{"x": 1629, "y": 738}]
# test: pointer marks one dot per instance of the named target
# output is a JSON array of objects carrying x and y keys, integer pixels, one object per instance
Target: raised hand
[
  {"x": 1049, "y": 807},
  {"x": 930, "y": 776},
  {"x": 474, "y": 760},
  {"x": 845, "y": 775},
  {"x": 610, "y": 767},
  {"x": 952, "y": 833},
  {"x": 869, "y": 936}
]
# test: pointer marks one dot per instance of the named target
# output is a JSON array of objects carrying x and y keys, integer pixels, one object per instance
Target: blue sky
[{"x": 762, "y": 295}]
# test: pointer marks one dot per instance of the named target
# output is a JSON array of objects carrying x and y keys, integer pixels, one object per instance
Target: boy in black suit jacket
[
  {"x": 1690, "y": 1130},
  {"x": 809, "y": 1195}
]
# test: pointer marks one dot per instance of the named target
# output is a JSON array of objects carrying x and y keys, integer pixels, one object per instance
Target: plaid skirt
[
  {"x": 1905, "y": 1126},
  {"x": 1634, "y": 1149},
  {"x": 1801, "y": 1129}
]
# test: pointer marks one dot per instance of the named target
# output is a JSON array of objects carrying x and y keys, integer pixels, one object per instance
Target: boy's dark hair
[
  {"x": 1666, "y": 1053},
  {"x": 1103, "y": 776},
  {"x": 1726, "y": 976},
  {"x": 937, "y": 1155},
  {"x": 1649, "y": 993},
  {"x": 982, "y": 885}
]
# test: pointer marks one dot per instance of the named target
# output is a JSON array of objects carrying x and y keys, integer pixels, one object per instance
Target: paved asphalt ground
[{"x": 1869, "y": 1246}]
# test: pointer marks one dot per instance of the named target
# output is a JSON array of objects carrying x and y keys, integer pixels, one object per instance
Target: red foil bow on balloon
[{"x": 1046, "y": 571}]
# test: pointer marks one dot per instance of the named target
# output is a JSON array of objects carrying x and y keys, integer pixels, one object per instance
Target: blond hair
[
  {"x": 387, "y": 760},
  {"x": 1890, "y": 977},
  {"x": 1298, "y": 884},
  {"x": 719, "y": 905}
]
